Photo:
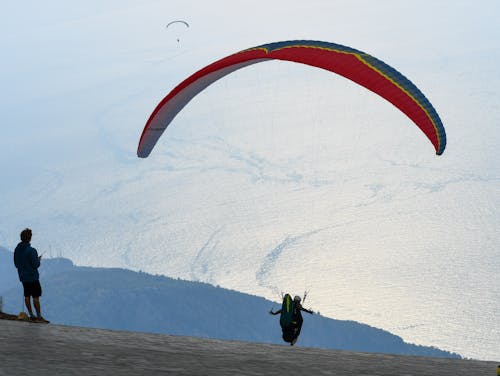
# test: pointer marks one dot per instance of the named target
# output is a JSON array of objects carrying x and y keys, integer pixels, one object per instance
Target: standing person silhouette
[{"x": 27, "y": 262}]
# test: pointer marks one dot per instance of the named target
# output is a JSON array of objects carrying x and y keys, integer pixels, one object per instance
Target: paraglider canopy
[
  {"x": 177, "y": 21},
  {"x": 360, "y": 67}
]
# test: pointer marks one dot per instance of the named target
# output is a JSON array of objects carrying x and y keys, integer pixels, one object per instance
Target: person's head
[
  {"x": 297, "y": 299},
  {"x": 26, "y": 235}
]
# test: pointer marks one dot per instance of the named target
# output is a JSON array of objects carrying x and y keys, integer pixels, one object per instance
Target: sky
[{"x": 278, "y": 177}]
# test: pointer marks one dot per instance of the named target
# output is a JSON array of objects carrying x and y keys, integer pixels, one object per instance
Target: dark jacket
[{"x": 27, "y": 262}]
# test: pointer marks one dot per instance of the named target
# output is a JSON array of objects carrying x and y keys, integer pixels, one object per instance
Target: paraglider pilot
[{"x": 291, "y": 318}]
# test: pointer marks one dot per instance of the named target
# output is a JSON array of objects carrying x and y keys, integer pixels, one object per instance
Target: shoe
[
  {"x": 32, "y": 318},
  {"x": 41, "y": 320}
]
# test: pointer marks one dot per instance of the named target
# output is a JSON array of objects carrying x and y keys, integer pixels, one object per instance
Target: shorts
[{"x": 32, "y": 289}]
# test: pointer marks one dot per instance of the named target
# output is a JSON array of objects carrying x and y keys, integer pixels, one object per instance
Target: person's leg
[
  {"x": 28, "y": 291},
  {"x": 298, "y": 327},
  {"x": 27, "y": 301},
  {"x": 37, "y": 292},
  {"x": 36, "y": 303}
]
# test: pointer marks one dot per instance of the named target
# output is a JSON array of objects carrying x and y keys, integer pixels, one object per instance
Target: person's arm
[
  {"x": 35, "y": 260},
  {"x": 275, "y": 313},
  {"x": 306, "y": 310}
]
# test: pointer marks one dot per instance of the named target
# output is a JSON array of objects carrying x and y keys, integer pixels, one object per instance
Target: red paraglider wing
[{"x": 355, "y": 65}]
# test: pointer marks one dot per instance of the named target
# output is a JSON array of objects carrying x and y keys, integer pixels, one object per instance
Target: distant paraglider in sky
[
  {"x": 177, "y": 22},
  {"x": 348, "y": 62}
]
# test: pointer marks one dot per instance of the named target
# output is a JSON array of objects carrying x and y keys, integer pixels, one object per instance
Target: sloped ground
[
  {"x": 34, "y": 349},
  {"x": 7, "y": 316}
]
